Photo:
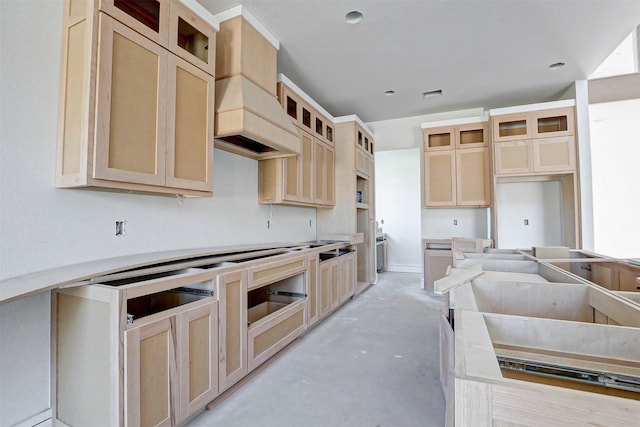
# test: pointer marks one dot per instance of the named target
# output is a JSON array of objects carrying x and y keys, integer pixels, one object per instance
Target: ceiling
[{"x": 481, "y": 54}]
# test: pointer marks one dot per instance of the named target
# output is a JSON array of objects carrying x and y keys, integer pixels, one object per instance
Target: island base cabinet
[{"x": 171, "y": 369}]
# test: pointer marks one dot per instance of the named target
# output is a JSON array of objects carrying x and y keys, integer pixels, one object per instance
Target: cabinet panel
[
  {"x": 602, "y": 275},
  {"x": 435, "y": 266},
  {"x": 327, "y": 272},
  {"x": 149, "y": 371},
  {"x": 232, "y": 294},
  {"x": 512, "y": 127},
  {"x": 314, "y": 291},
  {"x": 335, "y": 284},
  {"x": 552, "y": 123},
  {"x": 472, "y": 135},
  {"x": 513, "y": 157},
  {"x": 191, "y": 38},
  {"x": 291, "y": 178},
  {"x": 269, "y": 335},
  {"x": 320, "y": 162},
  {"x": 197, "y": 358},
  {"x": 554, "y": 154},
  {"x": 306, "y": 169},
  {"x": 442, "y": 138},
  {"x": 439, "y": 176},
  {"x": 330, "y": 177},
  {"x": 627, "y": 281},
  {"x": 131, "y": 106},
  {"x": 189, "y": 127},
  {"x": 149, "y": 18},
  {"x": 472, "y": 176},
  {"x": 347, "y": 276}
]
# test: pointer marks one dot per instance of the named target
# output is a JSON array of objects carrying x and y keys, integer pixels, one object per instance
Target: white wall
[
  {"x": 43, "y": 227},
  {"x": 398, "y": 205},
  {"x": 615, "y": 150},
  {"x": 538, "y": 202},
  {"x": 470, "y": 222}
]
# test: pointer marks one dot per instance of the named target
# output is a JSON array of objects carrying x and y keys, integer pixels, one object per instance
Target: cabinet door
[
  {"x": 439, "y": 178},
  {"x": 232, "y": 294},
  {"x": 306, "y": 169},
  {"x": 319, "y": 174},
  {"x": 347, "y": 276},
  {"x": 192, "y": 38},
  {"x": 552, "y": 123},
  {"x": 335, "y": 283},
  {"x": 190, "y": 98},
  {"x": 513, "y": 157},
  {"x": 149, "y": 18},
  {"x": 131, "y": 106},
  {"x": 602, "y": 274},
  {"x": 436, "y": 139},
  {"x": 197, "y": 358},
  {"x": 325, "y": 287},
  {"x": 314, "y": 291},
  {"x": 554, "y": 154},
  {"x": 149, "y": 372},
  {"x": 472, "y": 177},
  {"x": 512, "y": 127},
  {"x": 435, "y": 266},
  {"x": 291, "y": 178},
  {"x": 472, "y": 135},
  {"x": 627, "y": 281},
  {"x": 329, "y": 170}
]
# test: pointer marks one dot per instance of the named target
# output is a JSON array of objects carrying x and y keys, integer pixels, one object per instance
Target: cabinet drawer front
[
  {"x": 554, "y": 154},
  {"x": 513, "y": 157},
  {"x": 265, "y": 274},
  {"x": 274, "y": 332}
]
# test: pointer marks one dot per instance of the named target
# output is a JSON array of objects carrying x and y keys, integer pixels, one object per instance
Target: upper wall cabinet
[
  {"x": 308, "y": 178},
  {"x": 456, "y": 165},
  {"x": 142, "y": 119},
  {"x": 535, "y": 142}
]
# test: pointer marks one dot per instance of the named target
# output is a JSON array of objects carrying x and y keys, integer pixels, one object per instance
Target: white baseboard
[
  {"x": 43, "y": 419},
  {"x": 404, "y": 268}
]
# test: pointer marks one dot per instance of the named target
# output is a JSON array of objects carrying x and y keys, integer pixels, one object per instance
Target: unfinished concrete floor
[{"x": 374, "y": 363}]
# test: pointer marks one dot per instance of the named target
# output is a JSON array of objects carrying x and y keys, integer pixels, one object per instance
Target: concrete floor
[{"x": 374, "y": 363}]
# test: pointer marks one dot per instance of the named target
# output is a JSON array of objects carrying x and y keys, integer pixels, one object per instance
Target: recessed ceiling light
[
  {"x": 389, "y": 92},
  {"x": 556, "y": 65},
  {"x": 353, "y": 17},
  {"x": 431, "y": 93}
]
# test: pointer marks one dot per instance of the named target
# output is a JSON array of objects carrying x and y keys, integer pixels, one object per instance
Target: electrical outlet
[
  {"x": 526, "y": 222},
  {"x": 382, "y": 221},
  {"x": 455, "y": 222},
  {"x": 121, "y": 228},
  {"x": 268, "y": 224}
]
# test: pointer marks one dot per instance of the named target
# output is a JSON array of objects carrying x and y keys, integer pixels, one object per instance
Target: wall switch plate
[
  {"x": 455, "y": 222},
  {"x": 526, "y": 222}
]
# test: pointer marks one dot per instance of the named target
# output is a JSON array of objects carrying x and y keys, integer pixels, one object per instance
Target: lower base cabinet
[{"x": 171, "y": 368}]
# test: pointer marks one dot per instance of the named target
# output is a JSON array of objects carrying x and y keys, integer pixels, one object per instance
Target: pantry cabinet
[
  {"x": 456, "y": 166},
  {"x": 135, "y": 105}
]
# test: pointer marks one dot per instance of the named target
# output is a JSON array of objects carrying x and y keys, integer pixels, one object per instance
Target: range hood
[{"x": 249, "y": 120}]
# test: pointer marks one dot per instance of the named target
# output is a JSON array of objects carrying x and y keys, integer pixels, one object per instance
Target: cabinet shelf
[{"x": 362, "y": 206}]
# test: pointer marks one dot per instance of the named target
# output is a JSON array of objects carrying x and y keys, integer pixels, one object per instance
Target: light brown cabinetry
[
  {"x": 232, "y": 294},
  {"x": 353, "y": 216},
  {"x": 456, "y": 166},
  {"x": 306, "y": 179},
  {"x": 329, "y": 285},
  {"x": 536, "y": 142},
  {"x": 347, "y": 270},
  {"x": 171, "y": 368},
  {"x": 150, "y": 127}
]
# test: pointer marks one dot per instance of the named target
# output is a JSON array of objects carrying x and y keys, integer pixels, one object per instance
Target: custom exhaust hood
[{"x": 249, "y": 120}]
